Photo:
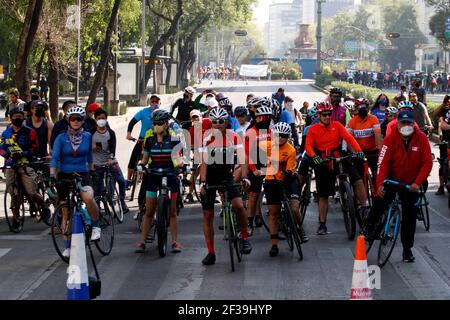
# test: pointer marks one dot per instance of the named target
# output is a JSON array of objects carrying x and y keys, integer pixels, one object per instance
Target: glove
[
  {"x": 361, "y": 155},
  {"x": 317, "y": 160}
]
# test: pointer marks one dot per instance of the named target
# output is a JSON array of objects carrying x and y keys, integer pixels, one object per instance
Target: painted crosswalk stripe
[{"x": 4, "y": 251}]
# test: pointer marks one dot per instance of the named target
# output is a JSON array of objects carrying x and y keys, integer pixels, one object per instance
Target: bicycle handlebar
[
  {"x": 339, "y": 159},
  {"x": 399, "y": 184},
  {"x": 163, "y": 171}
]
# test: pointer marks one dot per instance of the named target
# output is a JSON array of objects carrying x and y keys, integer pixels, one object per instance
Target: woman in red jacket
[{"x": 405, "y": 151}]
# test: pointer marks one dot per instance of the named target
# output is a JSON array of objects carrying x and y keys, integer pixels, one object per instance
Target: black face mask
[
  {"x": 336, "y": 100},
  {"x": 17, "y": 122},
  {"x": 252, "y": 114},
  {"x": 39, "y": 113},
  {"x": 186, "y": 97},
  {"x": 263, "y": 124},
  {"x": 363, "y": 112},
  {"x": 34, "y": 97}
]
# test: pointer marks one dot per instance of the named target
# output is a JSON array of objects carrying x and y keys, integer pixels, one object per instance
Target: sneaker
[
  {"x": 189, "y": 198},
  {"x": 440, "y": 191},
  {"x": 46, "y": 214},
  {"x": 66, "y": 253},
  {"x": 322, "y": 230},
  {"x": 125, "y": 208},
  {"x": 140, "y": 248},
  {"x": 303, "y": 237},
  {"x": 408, "y": 256},
  {"x": 209, "y": 259},
  {"x": 274, "y": 251},
  {"x": 176, "y": 247},
  {"x": 96, "y": 233},
  {"x": 246, "y": 247},
  {"x": 258, "y": 221}
]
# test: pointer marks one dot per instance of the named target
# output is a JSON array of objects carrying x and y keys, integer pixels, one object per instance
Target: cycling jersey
[
  {"x": 253, "y": 138},
  {"x": 286, "y": 117},
  {"x": 279, "y": 159},
  {"x": 162, "y": 154},
  {"x": 234, "y": 123},
  {"x": 145, "y": 116},
  {"x": 328, "y": 138},
  {"x": 184, "y": 111},
  {"x": 380, "y": 114},
  {"x": 340, "y": 114},
  {"x": 71, "y": 161},
  {"x": 24, "y": 140},
  {"x": 364, "y": 131}
]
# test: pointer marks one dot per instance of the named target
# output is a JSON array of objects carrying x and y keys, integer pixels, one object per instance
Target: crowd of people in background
[{"x": 218, "y": 73}]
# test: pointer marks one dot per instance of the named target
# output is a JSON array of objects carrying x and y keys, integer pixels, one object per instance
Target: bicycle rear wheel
[
  {"x": 305, "y": 199},
  {"x": 348, "y": 209},
  {"x": 106, "y": 219},
  {"x": 285, "y": 227},
  {"x": 162, "y": 225},
  {"x": 264, "y": 210},
  {"x": 389, "y": 236},
  {"x": 230, "y": 235},
  {"x": 291, "y": 224},
  {"x": 13, "y": 198},
  {"x": 61, "y": 229},
  {"x": 424, "y": 212},
  {"x": 114, "y": 202},
  {"x": 237, "y": 241}
]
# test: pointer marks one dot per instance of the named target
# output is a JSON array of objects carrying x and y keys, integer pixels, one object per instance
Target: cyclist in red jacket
[{"x": 404, "y": 152}]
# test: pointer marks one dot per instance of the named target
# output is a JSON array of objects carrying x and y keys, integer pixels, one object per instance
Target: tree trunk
[
  {"x": 105, "y": 55},
  {"x": 169, "y": 62},
  {"x": 39, "y": 65},
  {"x": 53, "y": 79},
  {"x": 26, "y": 39}
]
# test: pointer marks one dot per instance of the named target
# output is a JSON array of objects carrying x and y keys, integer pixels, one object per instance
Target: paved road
[{"x": 30, "y": 268}]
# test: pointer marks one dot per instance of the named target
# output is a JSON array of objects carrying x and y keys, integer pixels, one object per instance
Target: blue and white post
[{"x": 78, "y": 279}]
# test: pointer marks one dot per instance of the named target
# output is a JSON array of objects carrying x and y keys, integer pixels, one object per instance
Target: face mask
[
  {"x": 17, "y": 122},
  {"x": 263, "y": 124},
  {"x": 406, "y": 131},
  {"x": 158, "y": 129},
  {"x": 34, "y": 97},
  {"x": 383, "y": 103},
  {"x": 336, "y": 100},
  {"x": 363, "y": 112},
  {"x": 39, "y": 113},
  {"x": 154, "y": 106},
  {"x": 101, "y": 123}
]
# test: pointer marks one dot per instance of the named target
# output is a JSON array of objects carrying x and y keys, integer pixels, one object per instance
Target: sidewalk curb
[{"x": 319, "y": 88}]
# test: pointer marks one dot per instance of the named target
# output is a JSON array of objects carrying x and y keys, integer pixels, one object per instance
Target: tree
[
  {"x": 441, "y": 5},
  {"x": 26, "y": 40},
  {"x": 437, "y": 27}
]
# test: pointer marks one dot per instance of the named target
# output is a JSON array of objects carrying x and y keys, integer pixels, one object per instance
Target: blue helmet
[{"x": 240, "y": 111}]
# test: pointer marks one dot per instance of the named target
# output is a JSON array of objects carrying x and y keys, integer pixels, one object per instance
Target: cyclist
[
  {"x": 226, "y": 104},
  {"x": 256, "y": 157},
  {"x": 42, "y": 127},
  {"x": 241, "y": 114},
  {"x": 16, "y": 102},
  {"x": 324, "y": 140},
  {"x": 295, "y": 114},
  {"x": 210, "y": 103},
  {"x": 184, "y": 106},
  {"x": 379, "y": 107},
  {"x": 402, "y": 106},
  {"x": 18, "y": 145},
  {"x": 104, "y": 153},
  {"x": 391, "y": 114},
  {"x": 279, "y": 96},
  {"x": 36, "y": 96},
  {"x": 420, "y": 112},
  {"x": 443, "y": 116},
  {"x": 350, "y": 106},
  {"x": 72, "y": 156},
  {"x": 145, "y": 117},
  {"x": 404, "y": 157},
  {"x": 219, "y": 150},
  {"x": 161, "y": 151},
  {"x": 207, "y": 94},
  {"x": 282, "y": 115},
  {"x": 281, "y": 163},
  {"x": 339, "y": 113}
]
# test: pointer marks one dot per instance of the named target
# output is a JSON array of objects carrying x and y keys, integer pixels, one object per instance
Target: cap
[
  {"x": 93, "y": 107},
  {"x": 405, "y": 116},
  {"x": 155, "y": 96},
  {"x": 195, "y": 113}
]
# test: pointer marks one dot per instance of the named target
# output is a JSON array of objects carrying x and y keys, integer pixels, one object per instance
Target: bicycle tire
[
  {"x": 58, "y": 231},
  {"x": 425, "y": 213},
  {"x": 237, "y": 242},
  {"x": 230, "y": 236},
  {"x": 294, "y": 233},
  {"x": 305, "y": 199},
  {"x": 283, "y": 224},
  {"x": 116, "y": 206},
  {"x": 106, "y": 220},
  {"x": 264, "y": 211},
  {"x": 161, "y": 225},
  {"x": 8, "y": 200},
  {"x": 348, "y": 209},
  {"x": 388, "y": 236},
  {"x": 47, "y": 200},
  {"x": 133, "y": 185}
]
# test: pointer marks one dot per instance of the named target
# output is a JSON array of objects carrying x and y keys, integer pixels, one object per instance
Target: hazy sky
[{"x": 261, "y": 12}]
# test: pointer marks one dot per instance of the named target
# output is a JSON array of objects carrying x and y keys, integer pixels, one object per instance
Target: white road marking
[{"x": 4, "y": 251}]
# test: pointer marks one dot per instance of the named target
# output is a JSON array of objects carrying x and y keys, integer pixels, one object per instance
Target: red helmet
[
  {"x": 361, "y": 102},
  {"x": 324, "y": 106}
]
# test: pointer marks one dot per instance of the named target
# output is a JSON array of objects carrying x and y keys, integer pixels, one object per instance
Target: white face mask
[
  {"x": 406, "y": 131},
  {"x": 289, "y": 105},
  {"x": 101, "y": 123}
]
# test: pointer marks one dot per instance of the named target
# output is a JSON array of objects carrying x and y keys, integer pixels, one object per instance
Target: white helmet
[
  {"x": 264, "y": 111},
  {"x": 190, "y": 90},
  {"x": 218, "y": 114},
  {"x": 392, "y": 110},
  {"x": 76, "y": 110},
  {"x": 211, "y": 102},
  {"x": 281, "y": 128}
]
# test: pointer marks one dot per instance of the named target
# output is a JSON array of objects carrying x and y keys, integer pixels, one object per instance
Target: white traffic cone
[
  {"x": 360, "y": 281},
  {"x": 78, "y": 279}
]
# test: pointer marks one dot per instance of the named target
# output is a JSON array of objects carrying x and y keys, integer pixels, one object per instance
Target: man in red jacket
[{"x": 404, "y": 157}]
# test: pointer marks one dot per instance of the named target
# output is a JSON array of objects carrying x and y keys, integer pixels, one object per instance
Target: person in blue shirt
[
  {"x": 72, "y": 156},
  {"x": 145, "y": 117},
  {"x": 379, "y": 107},
  {"x": 279, "y": 96},
  {"x": 282, "y": 115}
]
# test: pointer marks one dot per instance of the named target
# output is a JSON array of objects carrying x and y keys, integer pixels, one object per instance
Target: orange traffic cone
[{"x": 360, "y": 281}]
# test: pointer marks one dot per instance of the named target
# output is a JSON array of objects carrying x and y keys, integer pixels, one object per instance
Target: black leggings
[{"x": 135, "y": 155}]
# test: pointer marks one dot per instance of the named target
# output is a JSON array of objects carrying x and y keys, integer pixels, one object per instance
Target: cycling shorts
[
  {"x": 274, "y": 192},
  {"x": 154, "y": 183},
  {"x": 209, "y": 199},
  {"x": 135, "y": 155},
  {"x": 63, "y": 188},
  {"x": 303, "y": 170}
]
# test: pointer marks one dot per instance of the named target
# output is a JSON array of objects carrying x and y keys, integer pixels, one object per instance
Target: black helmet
[
  {"x": 160, "y": 115},
  {"x": 336, "y": 90},
  {"x": 34, "y": 90}
]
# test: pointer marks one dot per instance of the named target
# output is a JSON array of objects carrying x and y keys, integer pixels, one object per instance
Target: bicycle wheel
[
  {"x": 114, "y": 202},
  {"x": 11, "y": 200},
  {"x": 61, "y": 229},
  {"x": 305, "y": 199},
  {"x": 162, "y": 224},
  {"x": 389, "y": 235},
  {"x": 425, "y": 214},
  {"x": 48, "y": 201},
  {"x": 230, "y": 235},
  {"x": 133, "y": 184},
  {"x": 284, "y": 225},
  {"x": 237, "y": 241},
  {"x": 292, "y": 227},
  {"x": 264, "y": 211},
  {"x": 106, "y": 219},
  {"x": 348, "y": 208}
]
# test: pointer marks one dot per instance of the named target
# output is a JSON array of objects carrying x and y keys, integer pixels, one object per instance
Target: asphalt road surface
[{"x": 31, "y": 269}]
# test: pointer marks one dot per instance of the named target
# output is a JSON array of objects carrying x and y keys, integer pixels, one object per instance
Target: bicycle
[
  {"x": 422, "y": 210},
  {"x": 61, "y": 229},
  {"x": 287, "y": 221},
  {"x": 110, "y": 192},
  {"x": 229, "y": 222},
  {"x": 444, "y": 165}
]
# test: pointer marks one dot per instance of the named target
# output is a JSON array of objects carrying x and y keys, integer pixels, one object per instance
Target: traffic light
[{"x": 393, "y": 35}]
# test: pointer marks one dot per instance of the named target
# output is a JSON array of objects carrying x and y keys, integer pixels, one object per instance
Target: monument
[{"x": 303, "y": 44}]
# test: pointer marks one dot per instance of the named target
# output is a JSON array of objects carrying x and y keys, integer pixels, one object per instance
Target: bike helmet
[
  {"x": 263, "y": 111},
  {"x": 260, "y": 102},
  {"x": 190, "y": 90},
  {"x": 240, "y": 112},
  {"x": 405, "y": 105},
  {"x": 276, "y": 108},
  {"x": 324, "y": 106},
  {"x": 160, "y": 115},
  {"x": 336, "y": 90},
  {"x": 76, "y": 110},
  {"x": 218, "y": 114},
  {"x": 350, "y": 105},
  {"x": 361, "y": 102},
  {"x": 312, "y": 112},
  {"x": 281, "y": 128},
  {"x": 391, "y": 110},
  {"x": 225, "y": 103}
]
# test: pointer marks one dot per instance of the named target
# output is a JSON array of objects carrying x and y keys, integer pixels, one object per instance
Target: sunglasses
[
  {"x": 326, "y": 115},
  {"x": 77, "y": 119},
  {"x": 159, "y": 123},
  {"x": 220, "y": 121}
]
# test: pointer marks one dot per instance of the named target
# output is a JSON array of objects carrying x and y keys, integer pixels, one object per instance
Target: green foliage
[
  {"x": 357, "y": 90},
  {"x": 323, "y": 80},
  {"x": 437, "y": 27},
  {"x": 291, "y": 69}
]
